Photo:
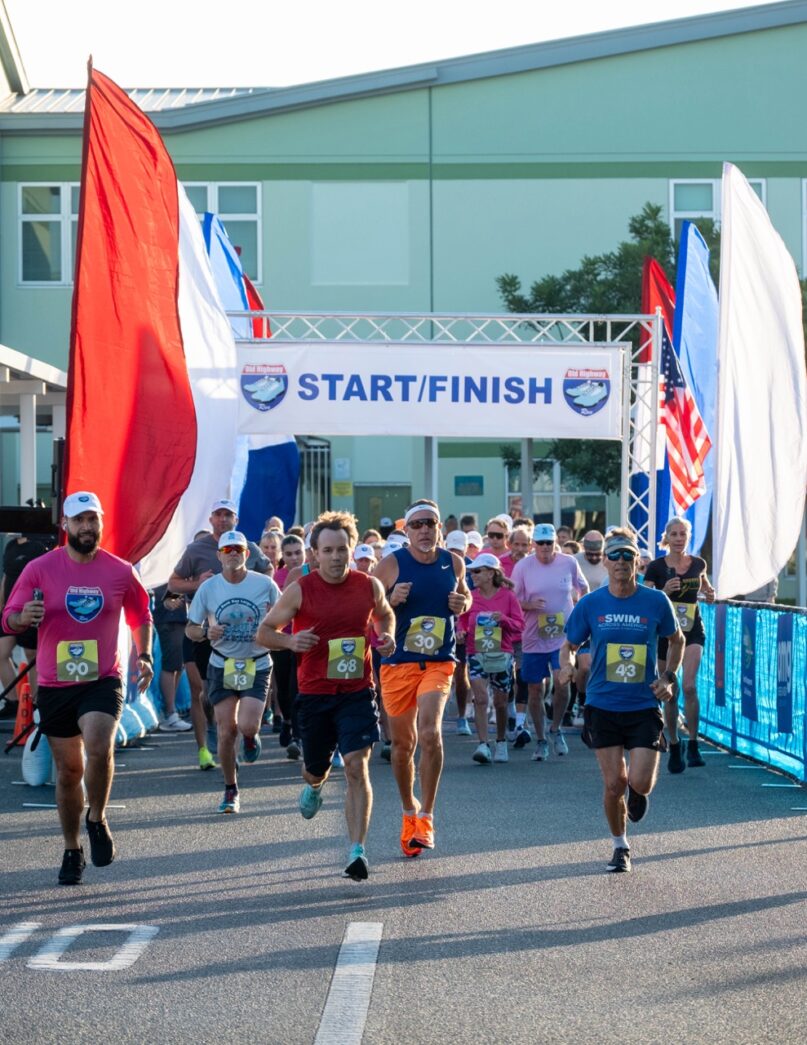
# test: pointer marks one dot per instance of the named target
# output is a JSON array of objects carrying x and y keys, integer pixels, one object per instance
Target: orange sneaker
[
  {"x": 424, "y": 832},
  {"x": 408, "y": 828}
]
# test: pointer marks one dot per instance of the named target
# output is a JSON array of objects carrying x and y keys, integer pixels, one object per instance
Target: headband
[{"x": 430, "y": 508}]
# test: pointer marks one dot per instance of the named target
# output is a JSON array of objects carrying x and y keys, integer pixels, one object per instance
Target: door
[{"x": 373, "y": 503}]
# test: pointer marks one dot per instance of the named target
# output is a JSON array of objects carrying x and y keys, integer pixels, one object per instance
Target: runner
[
  {"x": 682, "y": 577},
  {"x": 426, "y": 587},
  {"x": 592, "y": 568},
  {"x": 492, "y": 625},
  {"x": 547, "y": 585},
  {"x": 457, "y": 542},
  {"x": 623, "y": 621},
  {"x": 518, "y": 548},
  {"x": 79, "y": 592},
  {"x": 19, "y": 551},
  {"x": 331, "y": 610},
  {"x": 226, "y": 610}
]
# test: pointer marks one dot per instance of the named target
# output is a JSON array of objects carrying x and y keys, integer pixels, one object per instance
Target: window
[
  {"x": 238, "y": 205},
  {"x": 48, "y": 218},
  {"x": 692, "y": 199}
]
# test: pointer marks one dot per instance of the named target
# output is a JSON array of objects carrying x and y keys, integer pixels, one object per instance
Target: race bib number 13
[
  {"x": 239, "y": 675},
  {"x": 625, "y": 662},
  {"x": 425, "y": 635},
  {"x": 345, "y": 658},
  {"x": 77, "y": 661}
]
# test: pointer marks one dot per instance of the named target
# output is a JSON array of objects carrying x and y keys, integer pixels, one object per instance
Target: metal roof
[{"x": 171, "y": 113}]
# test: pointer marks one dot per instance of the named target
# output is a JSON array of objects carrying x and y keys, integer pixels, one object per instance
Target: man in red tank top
[{"x": 331, "y": 610}]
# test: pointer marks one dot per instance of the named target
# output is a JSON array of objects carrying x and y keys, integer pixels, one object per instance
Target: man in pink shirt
[
  {"x": 75, "y": 595},
  {"x": 547, "y": 584}
]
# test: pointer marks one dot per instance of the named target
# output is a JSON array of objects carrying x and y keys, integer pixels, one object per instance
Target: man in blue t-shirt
[{"x": 622, "y": 713}]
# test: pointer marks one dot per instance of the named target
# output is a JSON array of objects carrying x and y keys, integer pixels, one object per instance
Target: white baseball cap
[
  {"x": 229, "y": 506},
  {"x": 485, "y": 559},
  {"x": 474, "y": 537},
  {"x": 363, "y": 551},
  {"x": 233, "y": 537},
  {"x": 457, "y": 541},
  {"x": 83, "y": 501}
]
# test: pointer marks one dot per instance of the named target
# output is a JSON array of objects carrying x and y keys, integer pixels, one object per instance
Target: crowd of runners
[{"x": 332, "y": 641}]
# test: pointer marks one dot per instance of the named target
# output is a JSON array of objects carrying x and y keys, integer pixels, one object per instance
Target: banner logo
[
  {"x": 264, "y": 385},
  {"x": 586, "y": 391}
]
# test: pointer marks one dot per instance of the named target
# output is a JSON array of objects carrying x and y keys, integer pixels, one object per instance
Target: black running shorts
[
  {"x": 627, "y": 729},
  {"x": 60, "y": 707},
  {"x": 348, "y": 721}
]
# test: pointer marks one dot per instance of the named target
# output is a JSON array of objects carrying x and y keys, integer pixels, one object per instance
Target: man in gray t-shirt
[{"x": 227, "y": 609}]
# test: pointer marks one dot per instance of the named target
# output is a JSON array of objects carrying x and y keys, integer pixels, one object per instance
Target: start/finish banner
[{"x": 495, "y": 390}]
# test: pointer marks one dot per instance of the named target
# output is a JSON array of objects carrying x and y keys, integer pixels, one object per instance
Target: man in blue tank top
[
  {"x": 622, "y": 711},
  {"x": 426, "y": 587}
]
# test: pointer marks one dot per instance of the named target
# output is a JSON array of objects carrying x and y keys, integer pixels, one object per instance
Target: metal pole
[
  {"x": 801, "y": 566},
  {"x": 526, "y": 478},
  {"x": 556, "y": 493},
  {"x": 27, "y": 446},
  {"x": 431, "y": 467}
]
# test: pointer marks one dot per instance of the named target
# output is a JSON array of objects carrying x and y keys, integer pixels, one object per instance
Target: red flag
[
  {"x": 260, "y": 325},
  {"x": 687, "y": 439},
  {"x": 131, "y": 422}
]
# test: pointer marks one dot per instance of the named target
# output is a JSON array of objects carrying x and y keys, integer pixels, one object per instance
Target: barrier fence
[{"x": 752, "y": 682}]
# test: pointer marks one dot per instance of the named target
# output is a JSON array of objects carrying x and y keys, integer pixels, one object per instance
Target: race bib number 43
[
  {"x": 625, "y": 663},
  {"x": 346, "y": 658},
  {"x": 77, "y": 661},
  {"x": 425, "y": 635}
]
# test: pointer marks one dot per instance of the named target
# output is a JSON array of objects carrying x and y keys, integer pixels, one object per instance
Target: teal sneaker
[
  {"x": 310, "y": 801},
  {"x": 252, "y": 748},
  {"x": 231, "y": 803},
  {"x": 357, "y": 866}
]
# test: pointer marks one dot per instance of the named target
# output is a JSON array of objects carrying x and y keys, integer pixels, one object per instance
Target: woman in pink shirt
[{"x": 491, "y": 626}]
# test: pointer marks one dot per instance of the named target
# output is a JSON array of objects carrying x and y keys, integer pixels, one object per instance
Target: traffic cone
[{"x": 25, "y": 713}]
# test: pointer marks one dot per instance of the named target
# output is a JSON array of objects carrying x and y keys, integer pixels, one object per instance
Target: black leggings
[{"x": 285, "y": 664}]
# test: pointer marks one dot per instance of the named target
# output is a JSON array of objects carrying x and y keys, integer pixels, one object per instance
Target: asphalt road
[{"x": 510, "y": 931}]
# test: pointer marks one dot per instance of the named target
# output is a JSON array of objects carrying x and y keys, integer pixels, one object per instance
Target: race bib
[
  {"x": 425, "y": 635},
  {"x": 487, "y": 637},
  {"x": 239, "y": 675},
  {"x": 625, "y": 663},
  {"x": 550, "y": 625},
  {"x": 77, "y": 661},
  {"x": 346, "y": 658},
  {"x": 685, "y": 615}
]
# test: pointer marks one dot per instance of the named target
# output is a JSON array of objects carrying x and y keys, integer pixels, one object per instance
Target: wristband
[
  {"x": 146, "y": 657},
  {"x": 672, "y": 678}
]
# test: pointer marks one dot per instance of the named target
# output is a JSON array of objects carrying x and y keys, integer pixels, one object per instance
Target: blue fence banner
[
  {"x": 775, "y": 676},
  {"x": 748, "y": 679},
  {"x": 784, "y": 673}
]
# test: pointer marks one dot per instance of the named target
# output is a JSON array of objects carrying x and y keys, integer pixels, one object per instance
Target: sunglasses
[
  {"x": 418, "y": 524},
  {"x": 495, "y": 536},
  {"x": 544, "y": 544},
  {"x": 232, "y": 548},
  {"x": 624, "y": 554}
]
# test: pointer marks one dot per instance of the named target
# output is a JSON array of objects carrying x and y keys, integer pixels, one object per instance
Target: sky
[{"x": 274, "y": 43}]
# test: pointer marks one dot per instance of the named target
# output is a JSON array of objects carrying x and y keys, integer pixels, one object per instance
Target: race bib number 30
[
  {"x": 550, "y": 625},
  {"x": 346, "y": 658},
  {"x": 488, "y": 638},
  {"x": 625, "y": 663},
  {"x": 239, "y": 675},
  {"x": 425, "y": 635},
  {"x": 685, "y": 615},
  {"x": 77, "y": 661}
]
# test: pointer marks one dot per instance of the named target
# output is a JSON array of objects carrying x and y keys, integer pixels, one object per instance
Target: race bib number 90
[
  {"x": 239, "y": 675},
  {"x": 550, "y": 625},
  {"x": 425, "y": 635},
  {"x": 346, "y": 658},
  {"x": 77, "y": 661},
  {"x": 685, "y": 615},
  {"x": 625, "y": 663}
]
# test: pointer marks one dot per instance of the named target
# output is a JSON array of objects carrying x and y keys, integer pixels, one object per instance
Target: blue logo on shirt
[
  {"x": 75, "y": 649},
  {"x": 83, "y": 604}
]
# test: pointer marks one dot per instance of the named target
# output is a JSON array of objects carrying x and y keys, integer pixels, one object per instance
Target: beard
[{"x": 83, "y": 544}]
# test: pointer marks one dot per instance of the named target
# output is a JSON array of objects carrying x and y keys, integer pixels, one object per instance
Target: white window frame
[
  {"x": 715, "y": 214},
  {"x": 804, "y": 228},
  {"x": 65, "y": 219},
  {"x": 212, "y": 189}
]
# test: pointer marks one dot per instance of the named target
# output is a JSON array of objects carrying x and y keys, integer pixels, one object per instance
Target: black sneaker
[
  {"x": 675, "y": 759},
  {"x": 293, "y": 749},
  {"x": 620, "y": 861},
  {"x": 637, "y": 805},
  {"x": 694, "y": 757},
  {"x": 386, "y": 751},
  {"x": 284, "y": 734},
  {"x": 522, "y": 738},
  {"x": 102, "y": 848},
  {"x": 73, "y": 864},
  {"x": 8, "y": 708}
]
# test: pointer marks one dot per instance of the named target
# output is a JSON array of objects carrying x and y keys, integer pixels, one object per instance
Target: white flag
[{"x": 761, "y": 464}]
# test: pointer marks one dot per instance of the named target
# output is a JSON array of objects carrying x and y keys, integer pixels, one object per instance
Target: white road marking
[
  {"x": 780, "y": 785},
  {"x": 18, "y": 934},
  {"x": 49, "y": 957},
  {"x": 348, "y": 1000}
]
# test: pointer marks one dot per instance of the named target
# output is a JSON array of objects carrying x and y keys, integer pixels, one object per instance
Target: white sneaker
[
  {"x": 482, "y": 755},
  {"x": 541, "y": 751},
  {"x": 174, "y": 724},
  {"x": 463, "y": 729},
  {"x": 559, "y": 743},
  {"x": 501, "y": 754}
]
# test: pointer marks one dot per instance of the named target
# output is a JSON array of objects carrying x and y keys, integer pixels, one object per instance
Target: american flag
[{"x": 688, "y": 442}]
